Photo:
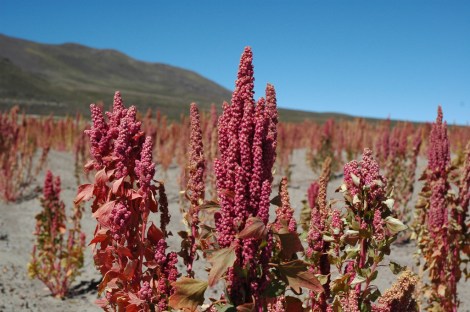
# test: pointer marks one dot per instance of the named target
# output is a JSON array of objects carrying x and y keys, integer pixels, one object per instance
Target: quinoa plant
[
  {"x": 247, "y": 144},
  {"x": 354, "y": 241},
  {"x": 440, "y": 224},
  {"x": 195, "y": 189},
  {"x": 129, "y": 251},
  {"x": 56, "y": 259}
]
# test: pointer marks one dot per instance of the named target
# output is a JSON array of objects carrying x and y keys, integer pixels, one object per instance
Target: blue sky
[{"x": 376, "y": 58}]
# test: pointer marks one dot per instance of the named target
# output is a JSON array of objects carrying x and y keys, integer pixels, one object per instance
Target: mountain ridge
[{"x": 65, "y": 78}]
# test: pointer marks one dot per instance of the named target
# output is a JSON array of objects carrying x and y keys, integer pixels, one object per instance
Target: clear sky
[{"x": 377, "y": 58}]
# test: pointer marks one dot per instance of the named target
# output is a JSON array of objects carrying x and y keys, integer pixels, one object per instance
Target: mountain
[
  {"x": 63, "y": 79},
  {"x": 68, "y": 77}
]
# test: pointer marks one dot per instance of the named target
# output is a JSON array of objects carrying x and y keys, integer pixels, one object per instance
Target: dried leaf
[
  {"x": 389, "y": 202},
  {"x": 246, "y": 307},
  {"x": 221, "y": 260},
  {"x": 356, "y": 200},
  {"x": 356, "y": 180},
  {"x": 228, "y": 193},
  {"x": 290, "y": 244},
  {"x": 189, "y": 293},
  {"x": 276, "y": 201},
  {"x": 297, "y": 275},
  {"x": 209, "y": 205},
  {"x": 394, "y": 225},
  {"x": 255, "y": 229}
]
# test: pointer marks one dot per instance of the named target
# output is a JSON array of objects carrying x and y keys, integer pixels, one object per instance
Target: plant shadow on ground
[
  {"x": 28, "y": 195},
  {"x": 83, "y": 288}
]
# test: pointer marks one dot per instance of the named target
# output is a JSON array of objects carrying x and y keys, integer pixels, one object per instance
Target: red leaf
[
  {"x": 154, "y": 234},
  {"x": 129, "y": 270},
  {"x": 101, "y": 177},
  {"x": 133, "y": 299},
  {"x": 102, "y": 302},
  {"x": 189, "y": 293},
  {"x": 109, "y": 276},
  {"x": 99, "y": 237},
  {"x": 104, "y": 259},
  {"x": 90, "y": 165},
  {"x": 293, "y": 304},
  {"x": 221, "y": 260},
  {"x": 103, "y": 214},
  {"x": 132, "y": 308},
  {"x": 135, "y": 195},
  {"x": 152, "y": 264},
  {"x": 153, "y": 205},
  {"x": 123, "y": 251},
  {"x": 116, "y": 185},
  {"x": 255, "y": 229},
  {"x": 110, "y": 173},
  {"x": 85, "y": 192}
]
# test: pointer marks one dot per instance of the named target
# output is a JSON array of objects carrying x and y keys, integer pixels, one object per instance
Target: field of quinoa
[{"x": 232, "y": 210}]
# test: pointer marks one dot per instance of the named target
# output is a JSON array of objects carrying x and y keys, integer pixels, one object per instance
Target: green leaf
[
  {"x": 357, "y": 280},
  {"x": 189, "y": 293},
  {"x": 221, "y": 260},
  {"x": 225, "y": 307},
  {"x": 323, "y": 279},
  {"x": 373, "y": 276},
  {"x": 374, "y": 295},
  {"x": 275, "y": 288},
  {"x": 351, "y": 252},
  {"x": 396, "y": 268},
  {"x": 246, "y": 307}
]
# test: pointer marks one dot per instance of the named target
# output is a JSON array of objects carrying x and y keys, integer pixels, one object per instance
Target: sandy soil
[{"x": 19, "y": 293}]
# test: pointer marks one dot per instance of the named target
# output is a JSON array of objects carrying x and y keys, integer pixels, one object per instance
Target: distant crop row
[{"x": 326, "y": 259}]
